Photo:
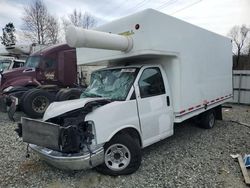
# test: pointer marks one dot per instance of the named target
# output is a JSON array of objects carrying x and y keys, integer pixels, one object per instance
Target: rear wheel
[
  {"x": 36, "y": 102},
  {"x": 69, "y": 94},
  {"x": 122, "y": 155},
  {"x": 59, "y": 93},
  {"x": 208, "y": 119}
]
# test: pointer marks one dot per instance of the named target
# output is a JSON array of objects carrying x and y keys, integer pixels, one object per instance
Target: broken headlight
[
  {"x": 74, "y": 138},
  {"x": 90, "y": 132}
]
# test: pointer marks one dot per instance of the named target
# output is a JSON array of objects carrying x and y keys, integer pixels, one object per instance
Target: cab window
[
  {"x": 49, "y": 63},
  {"x": 151, "y": 83}
]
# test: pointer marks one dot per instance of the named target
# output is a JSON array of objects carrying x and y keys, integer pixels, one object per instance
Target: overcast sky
[{"x": 215, "y": 15}]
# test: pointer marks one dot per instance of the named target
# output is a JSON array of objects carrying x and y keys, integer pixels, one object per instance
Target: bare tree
[
  {"x": 240, "y": 39},
  {"x": 76, "y": 18},
  {"x": 79, "y": 19},
  {"x": 53, "y": 30},
  {"x": 38, "y": 24},
  {"x": 88, "y": 21}
]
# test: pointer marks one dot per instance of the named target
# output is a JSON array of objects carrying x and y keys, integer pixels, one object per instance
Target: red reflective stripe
[
  {"x": 181, "y": 112},
  {"x": 204, "y": 103}
]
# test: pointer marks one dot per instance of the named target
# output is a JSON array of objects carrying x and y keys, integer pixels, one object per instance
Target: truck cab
[
  {"x": 46, "y": 74},
  {"x": 45, "y": 67}
]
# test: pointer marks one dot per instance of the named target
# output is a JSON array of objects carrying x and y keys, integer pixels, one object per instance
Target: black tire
[
  {"x": 207, "y": 119},
  {"x": 69, "y": 94},
  {"x": 59, "y": 93},
  {"x": 21, "y": 103},
  {"x": 36, "y": 102},
  {"x": 134, "y": 154}
]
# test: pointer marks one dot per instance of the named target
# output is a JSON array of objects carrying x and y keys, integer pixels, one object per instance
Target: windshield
[
  {"x": 4, "y": 64},
  {"x": 112, "y": 84},
  {"x": 32, "y": 61}
]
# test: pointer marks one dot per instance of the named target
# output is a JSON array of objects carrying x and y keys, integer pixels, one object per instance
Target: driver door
[
  {"x": 154, "y": 108},
  {"x": 49, "y": 73}
]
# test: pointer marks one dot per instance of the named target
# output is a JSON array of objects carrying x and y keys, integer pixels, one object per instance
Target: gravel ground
[{"x": 193, "y": 157}]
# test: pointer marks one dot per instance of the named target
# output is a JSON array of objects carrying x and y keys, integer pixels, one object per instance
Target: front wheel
[{"x": 122, "y": 155}]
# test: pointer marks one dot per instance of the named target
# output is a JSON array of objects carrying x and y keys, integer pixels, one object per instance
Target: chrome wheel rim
[
  {"x": 117, "y": 157},
  {"x": 40, "y": 104}
]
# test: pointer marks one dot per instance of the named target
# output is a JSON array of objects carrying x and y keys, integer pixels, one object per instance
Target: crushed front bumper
[{"x": 79, "y": 161}]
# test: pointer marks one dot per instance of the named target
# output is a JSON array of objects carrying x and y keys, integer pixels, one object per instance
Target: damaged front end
[{"x": 65, "y": 141}]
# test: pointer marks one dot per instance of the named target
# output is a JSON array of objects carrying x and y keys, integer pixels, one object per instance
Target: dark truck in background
[{"x": 48, "y": 75}]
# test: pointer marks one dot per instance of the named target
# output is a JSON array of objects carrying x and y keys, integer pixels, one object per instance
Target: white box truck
[{"x": 160, "y": 71}]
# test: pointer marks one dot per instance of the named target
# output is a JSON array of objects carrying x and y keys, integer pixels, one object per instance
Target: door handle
[{"x": 168, "y": 101}]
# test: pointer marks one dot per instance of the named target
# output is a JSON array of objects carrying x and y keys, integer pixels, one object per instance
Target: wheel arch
[{"x": 130, "y": 130}]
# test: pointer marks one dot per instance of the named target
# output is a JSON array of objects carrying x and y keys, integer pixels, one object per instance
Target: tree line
[{"x": 41, "y": 27}]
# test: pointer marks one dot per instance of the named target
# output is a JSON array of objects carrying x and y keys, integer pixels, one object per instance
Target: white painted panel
[
  {"x": 241, "y": 96},
  {"x": 245, "y": 97},
  {"x": 236, "y": 81},
  {"x": 245, "y": 82}
]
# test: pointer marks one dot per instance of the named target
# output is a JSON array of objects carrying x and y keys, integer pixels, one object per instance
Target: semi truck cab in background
[
  {"x": 48, "y": 66},
  {"x": 37, "y": 83},
  {"x": 161, "y": 71}
]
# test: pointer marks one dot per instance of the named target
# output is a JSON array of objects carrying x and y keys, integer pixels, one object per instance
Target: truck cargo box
[{"x": 198, "y": 63}]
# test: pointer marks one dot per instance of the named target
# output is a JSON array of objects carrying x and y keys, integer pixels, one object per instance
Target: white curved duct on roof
[{"x": 79, "y": 37}]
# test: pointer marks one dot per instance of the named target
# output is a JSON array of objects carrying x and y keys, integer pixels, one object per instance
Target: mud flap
[
  {"x": 41, "y": 133},
  {"x": 12, "y": 108},
  {"x": 3, "y": 106},
  {"x": 8, "y": 104}
]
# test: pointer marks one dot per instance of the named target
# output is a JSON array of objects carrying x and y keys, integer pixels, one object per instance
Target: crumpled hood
[{"x": 58, "y": 108}]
